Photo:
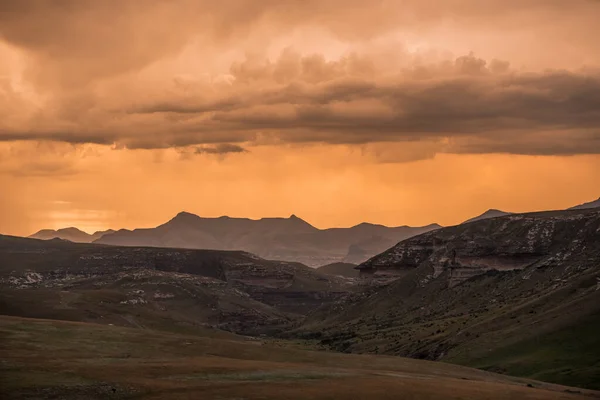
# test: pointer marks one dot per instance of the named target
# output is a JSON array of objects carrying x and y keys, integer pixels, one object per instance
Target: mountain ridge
[
  {"x": 590, "y": 204},
  {"x": 291, "y": 239},
  {"x": 490, "y": 213},
  {"x": 279, "y": 238},
  {"x": 228, "y": 290}
]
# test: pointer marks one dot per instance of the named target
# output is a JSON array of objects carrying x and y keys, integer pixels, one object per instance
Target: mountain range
[
  {"x": 290, "y": 239},
  {"x": 517, "y": 294}
]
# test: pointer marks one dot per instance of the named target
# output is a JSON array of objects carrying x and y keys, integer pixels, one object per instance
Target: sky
[{"x": 120, "y": 114}]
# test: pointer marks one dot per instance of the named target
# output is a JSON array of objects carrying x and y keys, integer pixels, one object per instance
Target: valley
[
  {"x": 299, "y": 200},
  {"x": 517, "y": 294},
  {"x": 150, "y": 286}
]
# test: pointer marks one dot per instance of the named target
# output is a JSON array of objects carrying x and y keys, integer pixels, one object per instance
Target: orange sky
[{"x": 122, "y": 113}]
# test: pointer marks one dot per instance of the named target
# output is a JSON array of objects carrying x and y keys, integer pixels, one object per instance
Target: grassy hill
[
  {"x": 154, "y": 287},
  {"x": 518, "y": 294},
  {"x": 66, "y": 360},
  {"x": 569, "y": 356}
]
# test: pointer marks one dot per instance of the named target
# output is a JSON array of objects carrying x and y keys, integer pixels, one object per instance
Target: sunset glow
[{"x": 119, "y": 114}]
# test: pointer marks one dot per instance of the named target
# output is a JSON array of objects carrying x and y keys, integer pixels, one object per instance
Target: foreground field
[{"x": 69, "y": 360}]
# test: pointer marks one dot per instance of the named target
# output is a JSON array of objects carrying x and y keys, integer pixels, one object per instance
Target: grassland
[
  {"x": 72, "y": 360},
  {"x": 569, "y": 356}
]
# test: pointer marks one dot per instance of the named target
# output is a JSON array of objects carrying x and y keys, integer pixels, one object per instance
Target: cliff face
[{"x": 505, "y": 243}]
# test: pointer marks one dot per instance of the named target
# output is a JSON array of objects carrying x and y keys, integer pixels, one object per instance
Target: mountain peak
[
  {"x": 300, "y": 222},
  {"x": 367, "y": 225},
  {"x": 71, "y": 234},
  {"x": 184, "y": 216},
  {"x": 491, "y": 213},
  {"x": 70, "y": 229}
]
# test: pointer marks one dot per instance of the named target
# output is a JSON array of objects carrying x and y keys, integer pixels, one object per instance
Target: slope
[
  {"x": 156, "y": 287},
  {"x": 51, "y": 359},
  {"x": 481, "y": 294},
  {"x": 591, "y": 204},
  {"x": 491, "y": 213}
]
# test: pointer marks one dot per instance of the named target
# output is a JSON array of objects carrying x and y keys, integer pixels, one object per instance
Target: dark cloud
[
  {"x": 561, "y": 143},
  {"x": 107, "y": 72},
  {"x": 468, "y": 103},
  {"x": 223, "y": 148},
  {"x": 457, "y": 106}
]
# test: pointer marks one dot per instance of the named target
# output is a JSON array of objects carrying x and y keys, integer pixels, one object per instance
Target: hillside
[
  {"x": 290, "y": 239},
  {"x": 590, "y": 204},
  {"x": 154, "y": 287},
  {"x": 517, "y": 294},
  {"x": 347, "y": 270},
  {"x": 493, "y": 213},
  {"x": 65, "y": 360}
]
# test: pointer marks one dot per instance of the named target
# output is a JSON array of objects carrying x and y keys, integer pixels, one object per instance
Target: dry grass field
[{"x": 44, "y": 359}]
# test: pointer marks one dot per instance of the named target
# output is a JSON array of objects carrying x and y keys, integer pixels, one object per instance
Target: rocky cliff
[
  {"x": 513, "y": 293},
  {"x": 502, "y": 244}
]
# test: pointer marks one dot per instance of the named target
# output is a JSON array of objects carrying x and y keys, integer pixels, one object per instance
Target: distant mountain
[
  {"x": 71, "y": 234},
  {"x": 347, "y": 270},
  {"x": 591, "y": 204},
  {"x": 291, "y": 239},
  {"x": 491, "y": 213}
]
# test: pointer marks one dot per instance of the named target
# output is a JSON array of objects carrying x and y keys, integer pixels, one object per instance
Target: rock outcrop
[
  {"x": 505, "y": 243},
  {"x": 499, "y": 293}
]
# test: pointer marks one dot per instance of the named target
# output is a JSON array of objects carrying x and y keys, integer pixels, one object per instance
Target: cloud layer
[{"x": 226, "y": 76}]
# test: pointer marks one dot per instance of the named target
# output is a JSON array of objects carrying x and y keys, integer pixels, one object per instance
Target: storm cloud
[{"x": 213, "y": 75}]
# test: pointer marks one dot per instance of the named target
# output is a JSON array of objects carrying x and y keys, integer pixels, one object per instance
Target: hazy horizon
[{"x": 91, "y": 231}]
